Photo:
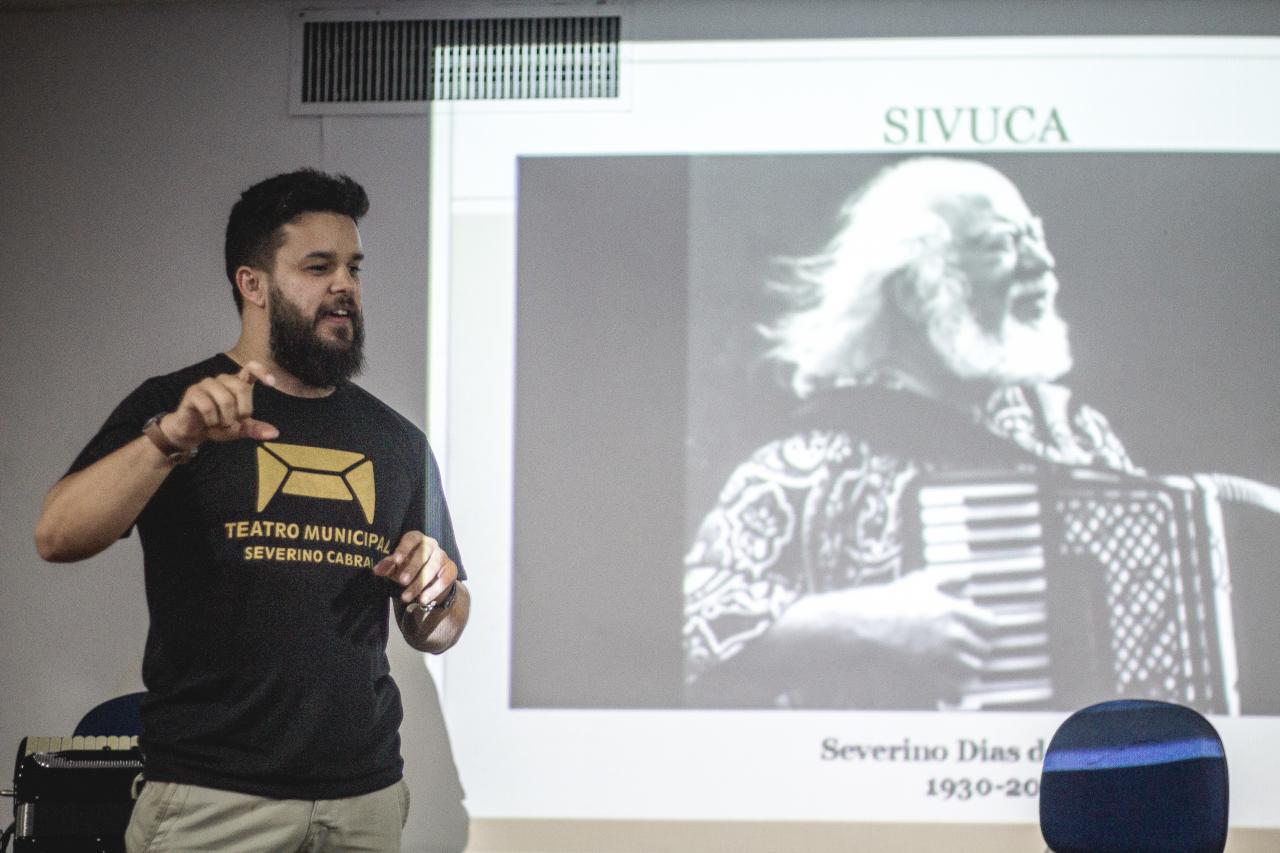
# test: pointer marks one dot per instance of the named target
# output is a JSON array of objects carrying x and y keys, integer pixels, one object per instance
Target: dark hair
[{"x": 253, "y": 229}]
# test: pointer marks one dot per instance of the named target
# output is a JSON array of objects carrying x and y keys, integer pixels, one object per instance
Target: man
[
  {"x": 926, "y": 338},
  {"x": 279, "y": 507}
]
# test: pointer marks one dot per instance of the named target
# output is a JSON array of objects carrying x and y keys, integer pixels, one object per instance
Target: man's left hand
[{"x": 421, "y": 566}]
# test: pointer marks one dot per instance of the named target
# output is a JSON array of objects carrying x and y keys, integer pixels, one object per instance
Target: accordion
[
  {"x": 74, "y": 793},
  {"x": 1101, "y": 585}
]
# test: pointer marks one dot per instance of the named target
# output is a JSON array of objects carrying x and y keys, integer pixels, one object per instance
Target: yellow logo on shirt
[{"x": 314, "y": 472}]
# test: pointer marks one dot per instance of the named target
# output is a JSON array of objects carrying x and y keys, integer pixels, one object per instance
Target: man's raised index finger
[{"x": 254, "y": 370}]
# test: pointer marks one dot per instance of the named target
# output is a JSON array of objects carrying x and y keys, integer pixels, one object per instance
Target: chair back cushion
[{"x": 1129, "y": 776}]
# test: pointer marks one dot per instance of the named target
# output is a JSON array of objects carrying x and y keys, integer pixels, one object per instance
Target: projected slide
[
  {"x": 792, "y": 492},
  {"x": 835, "y": 438}
]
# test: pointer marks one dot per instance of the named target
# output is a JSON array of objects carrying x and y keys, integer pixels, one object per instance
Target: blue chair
[
  {"x": 1131, "y": 776},
  {"x": 118, "y": 716}
]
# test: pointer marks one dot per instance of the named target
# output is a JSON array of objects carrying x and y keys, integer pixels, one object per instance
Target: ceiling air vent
[{"x": 380, "y": 65}]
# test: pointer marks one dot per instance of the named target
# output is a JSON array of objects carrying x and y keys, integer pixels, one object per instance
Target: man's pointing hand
[{"x": 219, "y": 408}]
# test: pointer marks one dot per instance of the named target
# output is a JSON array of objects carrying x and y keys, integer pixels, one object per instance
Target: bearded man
[
  {"x": 925, "y": 338},
  {"x": 280, "y": 508}
]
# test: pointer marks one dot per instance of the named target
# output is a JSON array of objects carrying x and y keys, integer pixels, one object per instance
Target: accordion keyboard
[
  {"x": 61, "y": 743},
  {"x": 1101, "y": 585},
  {"x": 994, "y": 531}
]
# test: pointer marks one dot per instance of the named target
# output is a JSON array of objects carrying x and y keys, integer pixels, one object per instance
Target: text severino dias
[{"x": 907, "y": 751}]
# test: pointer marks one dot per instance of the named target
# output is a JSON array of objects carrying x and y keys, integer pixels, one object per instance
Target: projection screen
[{"x": 642, "y": 495}]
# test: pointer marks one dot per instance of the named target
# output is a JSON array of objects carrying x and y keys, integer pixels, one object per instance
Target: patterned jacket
[{"x": 821, "y": 509}]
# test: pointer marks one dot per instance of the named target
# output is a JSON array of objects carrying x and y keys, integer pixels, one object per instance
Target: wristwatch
[{"x": 175, "y": 454}]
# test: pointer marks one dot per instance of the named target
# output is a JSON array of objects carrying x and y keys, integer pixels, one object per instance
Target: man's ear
[
  {"x": 252, "y": 285},
  {"x": 901, "y": 288}
]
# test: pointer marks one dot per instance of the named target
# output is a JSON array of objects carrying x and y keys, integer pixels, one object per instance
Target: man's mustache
[{"x": 345, "y": 306}]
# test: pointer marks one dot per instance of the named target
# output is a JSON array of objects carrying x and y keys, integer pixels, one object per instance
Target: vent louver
[{"x": 387, "y": 62}]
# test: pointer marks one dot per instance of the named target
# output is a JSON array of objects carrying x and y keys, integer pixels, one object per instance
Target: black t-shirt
[{"x": 265, "y": 662}]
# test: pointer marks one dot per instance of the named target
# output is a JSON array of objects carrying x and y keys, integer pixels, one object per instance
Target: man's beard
[
  {"x": 1017, "y": 353},
  {"x": 299, "y": 349}
]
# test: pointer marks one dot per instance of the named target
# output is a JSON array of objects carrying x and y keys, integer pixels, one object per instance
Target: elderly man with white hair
[{"x": 924, "y": 337}]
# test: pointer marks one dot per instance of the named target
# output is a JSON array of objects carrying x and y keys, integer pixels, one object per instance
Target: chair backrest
[
  {"x": 118, "y": 716},
  {"x": 1128, "y": 776}
]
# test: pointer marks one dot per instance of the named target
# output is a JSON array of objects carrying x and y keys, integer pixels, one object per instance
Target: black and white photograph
[{"x": 920, "y": 432}]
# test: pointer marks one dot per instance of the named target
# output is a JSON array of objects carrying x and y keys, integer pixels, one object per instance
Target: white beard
[{"x": 1019, "y": 353}]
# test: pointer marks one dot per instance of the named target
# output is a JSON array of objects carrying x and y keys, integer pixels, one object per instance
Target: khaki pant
[{"x": 169, "y": 818}]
